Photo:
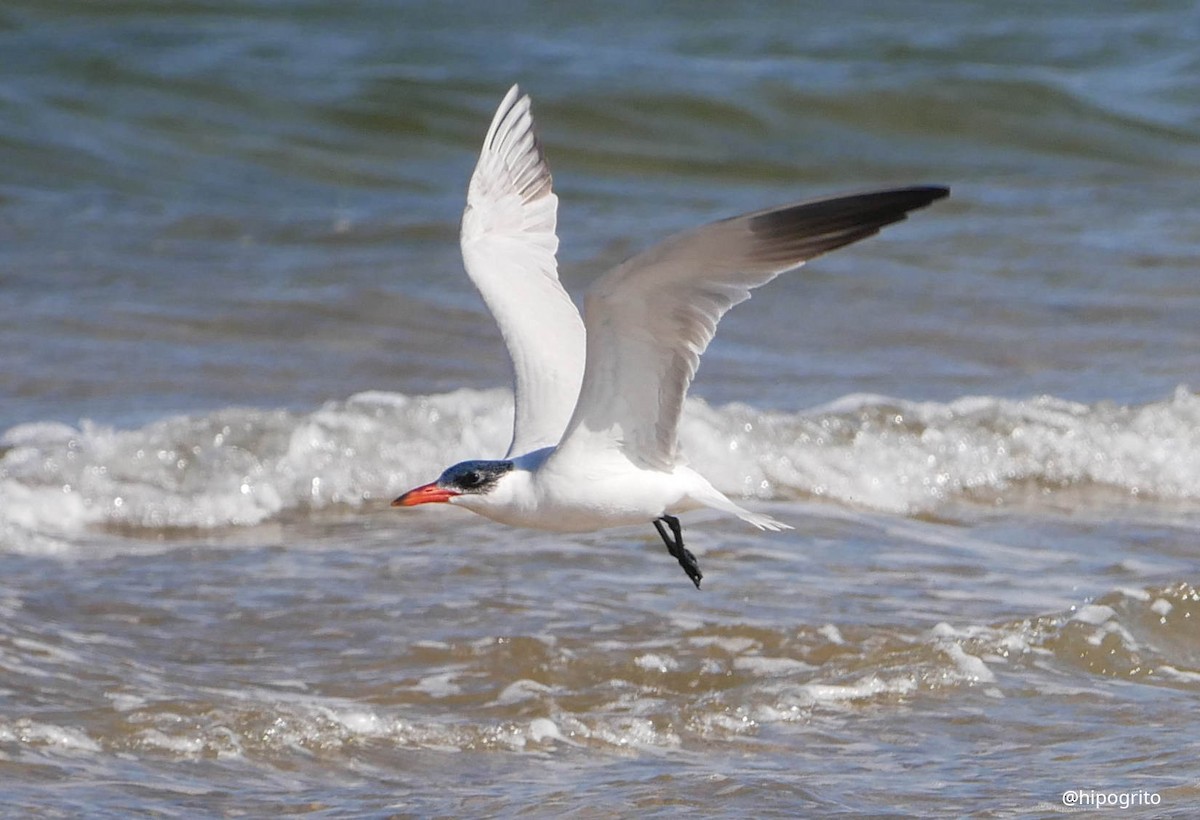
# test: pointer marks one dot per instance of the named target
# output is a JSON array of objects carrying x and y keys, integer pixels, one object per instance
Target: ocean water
[{"x": 235, "y": 324}]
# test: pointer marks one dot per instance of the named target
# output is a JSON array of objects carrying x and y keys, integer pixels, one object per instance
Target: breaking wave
[
  {"x": 239, "y": 467},
  {"x": 749, "y": 679}
]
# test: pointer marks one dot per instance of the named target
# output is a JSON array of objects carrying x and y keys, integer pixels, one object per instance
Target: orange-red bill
[{"x": 425, "y": 494}]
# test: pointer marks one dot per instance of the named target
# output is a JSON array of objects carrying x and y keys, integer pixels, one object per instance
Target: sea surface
[{"x": 234, "y": 324}]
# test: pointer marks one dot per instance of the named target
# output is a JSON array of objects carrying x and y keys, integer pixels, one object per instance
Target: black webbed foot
[{"x": 678, "y": 551}]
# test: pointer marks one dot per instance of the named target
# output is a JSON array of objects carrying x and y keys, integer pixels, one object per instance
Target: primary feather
[
  {"x": 650, "y": 319},
  {"x": 508, "y": 246}
]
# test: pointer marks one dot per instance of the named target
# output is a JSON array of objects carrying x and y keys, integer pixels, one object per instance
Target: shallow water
[{"x": 235, "y": 324}]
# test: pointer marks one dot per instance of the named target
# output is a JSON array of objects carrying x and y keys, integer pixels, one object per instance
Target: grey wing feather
[
  {"x": 509, "y": 244},
  {"x": 650, "y": 319}
]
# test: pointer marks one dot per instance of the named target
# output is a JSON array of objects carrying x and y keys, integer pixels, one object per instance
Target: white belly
[{"x": 598, "y": 495}]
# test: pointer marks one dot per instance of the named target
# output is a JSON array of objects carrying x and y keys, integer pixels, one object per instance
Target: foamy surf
[
  {"x": 732, "y": 686},
  {"x": 240, "y": 467}
]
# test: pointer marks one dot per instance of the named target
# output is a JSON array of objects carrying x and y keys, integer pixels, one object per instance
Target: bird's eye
[{"x": 471, "y": 480}]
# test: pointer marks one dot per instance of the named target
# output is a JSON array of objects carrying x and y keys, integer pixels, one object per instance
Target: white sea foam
[
  {"x": 656, "y": 663},
  {"x": 240, "y": 467},
  {"x": 868, "y": 687},
  {"x": 542, "y": 729},
  {"x": 970, "y": 667},
  {"x": 48, "y": 735},
  {"x": 762, "y": 666},
  {"x": 522, "y": 690}
]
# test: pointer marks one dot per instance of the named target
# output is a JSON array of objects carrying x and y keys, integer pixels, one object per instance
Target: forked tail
[
  {"x": 709, "y": 496},
  {"x": 763, "y": 522}
]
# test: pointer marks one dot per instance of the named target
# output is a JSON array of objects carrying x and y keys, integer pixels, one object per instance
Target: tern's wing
[
  {"x": 649, "y": 319},
  {"x": 508, "y": 245}
]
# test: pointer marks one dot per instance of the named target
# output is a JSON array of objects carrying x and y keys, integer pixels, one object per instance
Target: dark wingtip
[
  {"x": 795, "y": 233},
  {"x": 934, "y": 192}
]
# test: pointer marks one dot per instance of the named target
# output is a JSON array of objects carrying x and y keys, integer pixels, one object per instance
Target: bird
[{"x": 598, "y": 397}]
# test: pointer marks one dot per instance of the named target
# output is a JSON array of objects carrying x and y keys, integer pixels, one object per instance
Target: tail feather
[
  {"x": 763, "y": 522},
  {"x": 710, "y": 496}
]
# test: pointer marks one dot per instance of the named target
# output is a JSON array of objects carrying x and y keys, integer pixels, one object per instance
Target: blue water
[{"x": 234, "y": 323}]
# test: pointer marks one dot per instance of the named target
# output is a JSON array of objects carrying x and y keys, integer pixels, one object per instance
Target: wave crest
[{"x": 239, "y": 467}]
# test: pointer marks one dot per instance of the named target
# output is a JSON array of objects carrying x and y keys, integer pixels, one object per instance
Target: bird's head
[{"x": 462, "y": 483}]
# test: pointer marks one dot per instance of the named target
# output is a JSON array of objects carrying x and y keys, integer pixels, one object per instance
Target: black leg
[{"x": 678, "y": 551}]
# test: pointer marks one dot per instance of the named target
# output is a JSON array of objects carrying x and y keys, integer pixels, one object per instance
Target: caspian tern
[{"x": 598, "y": 399}]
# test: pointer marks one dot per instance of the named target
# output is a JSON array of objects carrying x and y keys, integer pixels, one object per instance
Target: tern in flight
[{"x": 598, "y": 398}]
